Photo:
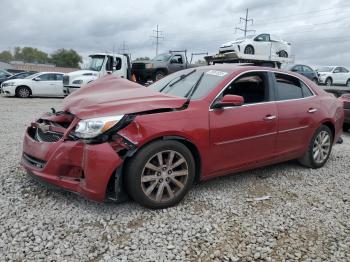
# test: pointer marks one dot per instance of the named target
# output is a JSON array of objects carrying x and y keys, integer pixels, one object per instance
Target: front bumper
[
  {"x": 85, "y": 169},
  {"x": 70, "y": 89},
  {"x": 322, "y": 80}
]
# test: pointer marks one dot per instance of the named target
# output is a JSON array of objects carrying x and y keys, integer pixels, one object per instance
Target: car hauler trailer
[{"x": 259, "y": 60}]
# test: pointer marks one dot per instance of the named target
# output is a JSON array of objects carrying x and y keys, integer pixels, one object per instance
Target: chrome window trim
[{"x": 268, "y": 102}]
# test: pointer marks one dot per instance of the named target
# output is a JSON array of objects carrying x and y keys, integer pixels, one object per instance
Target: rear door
[
  {"x": 296, "y": 106},
  {"x": 244, "y": 135},
  {"x": 57, "y": 87}
]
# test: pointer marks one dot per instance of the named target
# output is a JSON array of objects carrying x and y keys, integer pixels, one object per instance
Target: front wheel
[
  {"x": 158, "y": 75},
  {"x": 315, "y": 80},
  {"x": 348, "y": 83},
  {"x": 319, "y": 149},
  {"x": 249, "y": 50},
  {"x": 23, "y": 92},
  {"x": 329, "y": 82},
  {"x": 160, "y": 174},
  {"x": 283, "y": 54}
]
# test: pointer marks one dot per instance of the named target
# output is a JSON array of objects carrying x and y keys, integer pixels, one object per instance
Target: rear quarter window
[{"x": 289, "y": 87}]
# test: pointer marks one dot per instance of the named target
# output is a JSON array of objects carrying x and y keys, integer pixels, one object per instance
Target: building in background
[{"x": 20, "y": 66}]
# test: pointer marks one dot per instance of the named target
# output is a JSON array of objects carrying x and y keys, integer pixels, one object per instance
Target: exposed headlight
[
  {"x": 149, "y": 66},
  {"x": 77, "y": 82},
  {"x": 8, "y": 84},
  {"x": 223, "y": 46},
  {"x": 90, "y": 128}
]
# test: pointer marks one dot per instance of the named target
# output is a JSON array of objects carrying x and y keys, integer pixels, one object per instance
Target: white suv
[{"x": 334, "y": 75}]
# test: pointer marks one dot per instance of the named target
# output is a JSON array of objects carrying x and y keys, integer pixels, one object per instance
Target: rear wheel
[
  {"x": 319, "y": 149},
  {"x": 348, "y": 83},
  {"x": 23, "y": 92},
  {"x": 160, "y": 174},
  {"x": 249, "y": 50}
]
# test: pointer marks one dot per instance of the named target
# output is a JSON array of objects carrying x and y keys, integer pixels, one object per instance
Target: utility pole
[
  {"x": 246, "y": 20},
  {"x": 124, "y": 48},
  {"x": 157, "y": 35}
]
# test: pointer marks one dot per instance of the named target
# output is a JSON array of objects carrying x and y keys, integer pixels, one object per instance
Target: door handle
[
  {"x": 312, "y": 110},
  {"x": 270, "y": 118}
]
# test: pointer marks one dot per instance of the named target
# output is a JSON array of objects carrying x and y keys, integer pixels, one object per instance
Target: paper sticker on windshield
[{"x": 216, "y": 73}]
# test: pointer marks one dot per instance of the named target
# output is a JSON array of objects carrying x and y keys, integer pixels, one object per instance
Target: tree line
[{"x": 61, "y": 57}]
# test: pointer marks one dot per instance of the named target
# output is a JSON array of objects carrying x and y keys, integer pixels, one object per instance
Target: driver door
[
  {"x": 176, "y": 64},
  {"x": 244, "y": 135},
  {"x": 262, "y": 45}
]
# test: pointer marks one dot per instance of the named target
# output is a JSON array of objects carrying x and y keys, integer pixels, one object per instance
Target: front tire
[
  {"x": 158, "y": 75},
  {"x": 348, "y": 83},
  {"x": 329, "y": 82},
  {"x": 319, "y": 149},
  {"x": 283, "y": 54},
  {"x": 160, "y": 174},
  {"x": 249, "y": 50},
  {"x": 315, "y": 80},
  {"x": 23, "y": 92}
]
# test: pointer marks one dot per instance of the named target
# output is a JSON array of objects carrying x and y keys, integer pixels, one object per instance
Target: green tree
[
  {"x": 66, "y": 58},
  {"x": 30, "y": 55},
  {"x": 5, "y": 56}
]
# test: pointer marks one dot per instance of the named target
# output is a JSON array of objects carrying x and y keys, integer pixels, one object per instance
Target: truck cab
[
  {"x": 100, "y": 64},
  {"x": 160, "y": 66}
]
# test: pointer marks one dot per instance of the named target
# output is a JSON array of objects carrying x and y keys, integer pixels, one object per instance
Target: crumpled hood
[
  {"x": 228, "y": 44},
  {"x": 111, "y": 95}
]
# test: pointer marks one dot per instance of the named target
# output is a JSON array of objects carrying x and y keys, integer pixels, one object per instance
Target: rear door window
[{"x": 289, "y": 87}]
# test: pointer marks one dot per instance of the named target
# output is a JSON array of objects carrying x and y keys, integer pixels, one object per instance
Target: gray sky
[{"x": 318, "y": 30}]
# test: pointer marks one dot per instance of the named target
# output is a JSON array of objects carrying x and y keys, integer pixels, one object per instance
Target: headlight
[
  {"x": 149, "y": 66},
  {"x": 8, "y": 84},
  {"x": 223, "y": 46},
  {"x": 77, "y": 82},
  {"x": 90, "y": 128}
]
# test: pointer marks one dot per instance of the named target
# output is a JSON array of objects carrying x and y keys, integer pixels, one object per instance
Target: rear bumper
[{"x": 72, "y": 165}]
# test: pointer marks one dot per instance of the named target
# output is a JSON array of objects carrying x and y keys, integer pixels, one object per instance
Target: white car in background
[
  {"x": 260, "y": 45},
  {"x": 40, "y": 84},
  {"x": 334, "y": 75}
]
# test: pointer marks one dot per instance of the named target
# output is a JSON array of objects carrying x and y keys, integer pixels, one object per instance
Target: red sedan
[{"x": 115, "y": 138}]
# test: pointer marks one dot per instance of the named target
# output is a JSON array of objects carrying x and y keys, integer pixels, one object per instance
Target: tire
[
  {"x": 23, "y": 92},
  {"x": 329, "y": 81},
  {"x": 283, "y": 54},
  {"x": 346, "y": 127},
  {"x": 153, "y": 184},
  {"x": 348, "y": 83},
  {"x": 249, "y": 50},
  {"x": 319, "y": 144},
  {"x": 315, "y": 80},
  {"x": 158, "y": 75}
]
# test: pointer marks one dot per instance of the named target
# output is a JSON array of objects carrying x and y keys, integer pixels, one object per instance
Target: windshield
[
  {"x": 3, "y": 73},
  {"x": 96, "y": 63},
  {"x": 33, "y": 76},
  {"x": 173, "y": 85},
  {"x": 162, "y": 57},
  {"x": 325, "y": 69}
]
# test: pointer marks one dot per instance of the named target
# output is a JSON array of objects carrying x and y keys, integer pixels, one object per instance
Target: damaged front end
[{"x": 91, "y": 167}]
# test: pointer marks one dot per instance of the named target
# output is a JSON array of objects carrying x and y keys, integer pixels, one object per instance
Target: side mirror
[
  {"x": 229, "y": 100},
  {"x": 36, "y": 78}
]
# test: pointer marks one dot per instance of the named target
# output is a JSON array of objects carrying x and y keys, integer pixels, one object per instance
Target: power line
[
  {"x": 246, "y": 20},
  {"x": 157, "y": 35}
]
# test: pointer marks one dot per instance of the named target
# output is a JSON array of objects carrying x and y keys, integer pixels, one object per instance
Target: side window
[
  {"x": 253, "y": 87},
  {"x": 297, "y": 68},
  {"x": 344, "y": 70},
  {"x": 45, "y": 77},
  {"x": 117, "y": 63},
  {"x": 59, "y": 77},
  {"x": 337, "y": 70},
  {"x": 307, "y": 69},
  {"x": 109, "y": 63},
  {"x": 177, "y": 59},
  {"x": 289, "y": 87},
  {"x": 263, "y": 38}
]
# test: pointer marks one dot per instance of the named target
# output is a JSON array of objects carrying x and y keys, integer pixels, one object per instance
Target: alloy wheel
[
  {"x": 321, "y": 147},
  {"x": 249, "y": 50},
  {"x": 164, "y": 176},
  {"x": 23, "y": 92}
]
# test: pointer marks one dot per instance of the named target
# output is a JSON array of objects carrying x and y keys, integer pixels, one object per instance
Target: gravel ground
[{"x": 307, "y": 217}]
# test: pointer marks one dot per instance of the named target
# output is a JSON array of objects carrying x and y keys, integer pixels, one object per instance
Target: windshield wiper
[
  {"x": 193, "y": 89},
  {"x": 182, "y": 77}
]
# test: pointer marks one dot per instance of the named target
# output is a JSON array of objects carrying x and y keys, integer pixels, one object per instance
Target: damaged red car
[{"x": 115, "y": 139}]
